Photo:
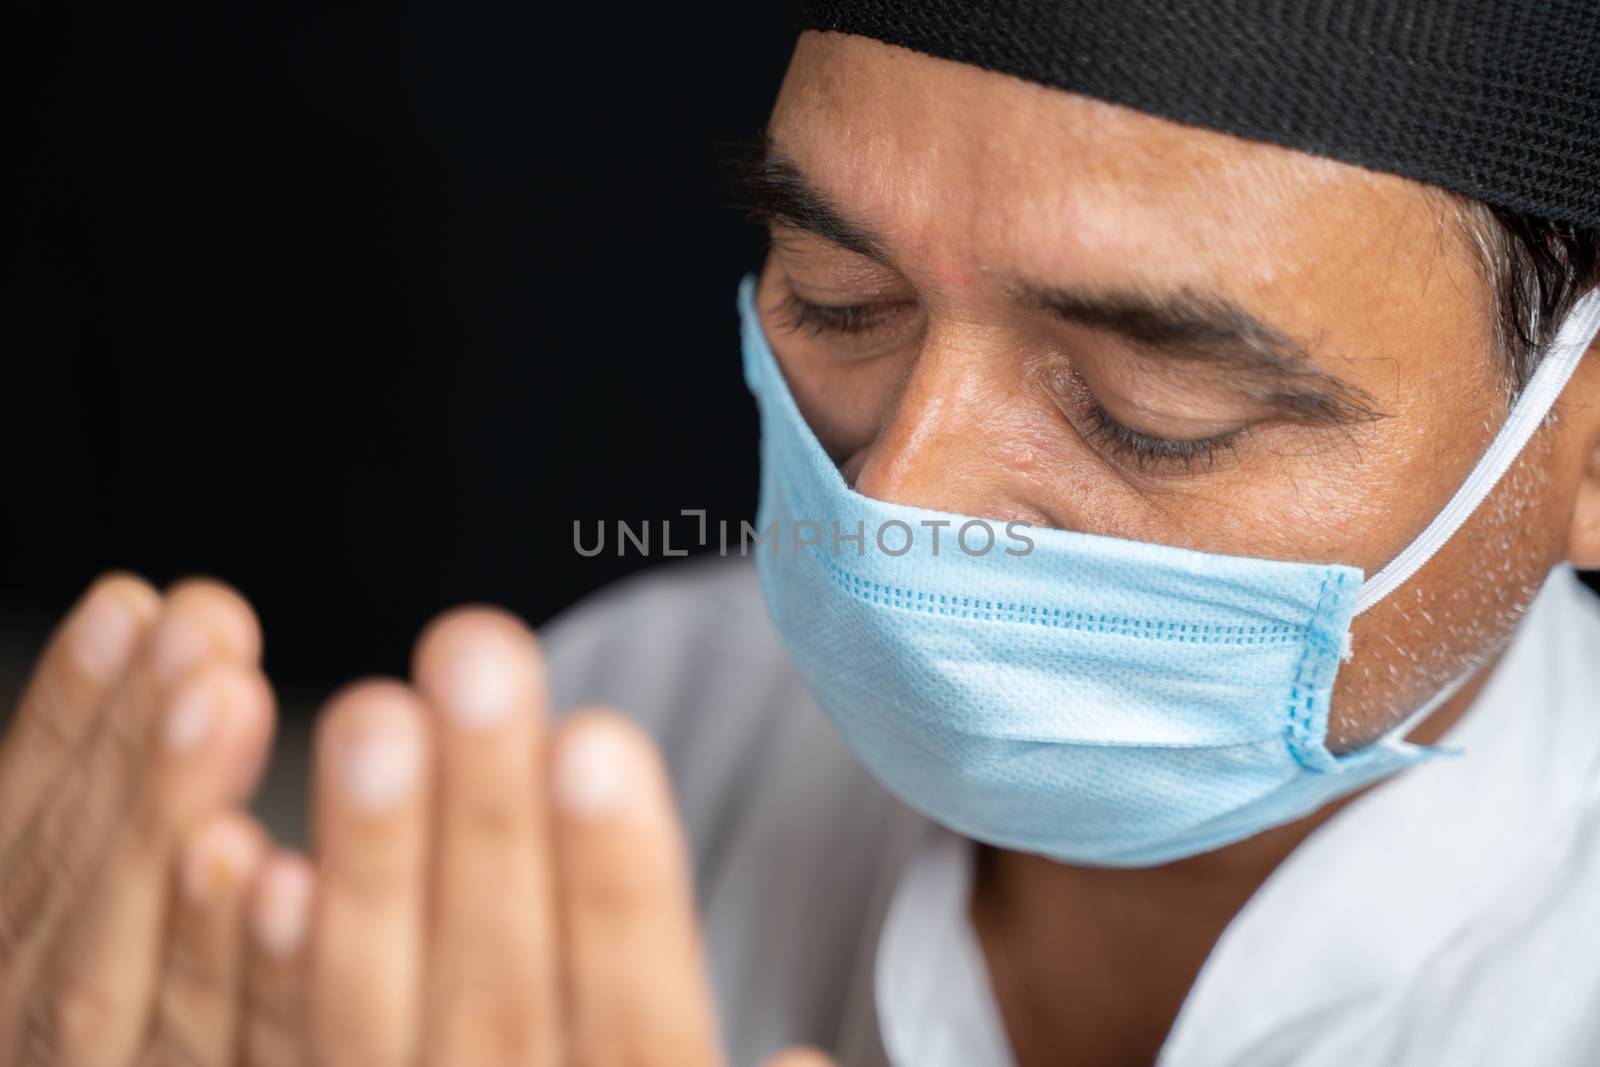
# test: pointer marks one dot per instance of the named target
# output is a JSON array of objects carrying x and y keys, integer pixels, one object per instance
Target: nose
[{"x": 946, "y": 441}]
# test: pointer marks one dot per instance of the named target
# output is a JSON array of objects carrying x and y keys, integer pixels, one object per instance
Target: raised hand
[
  {"x": 144, "y": 716},
  {"x": 488, "y": 887}
]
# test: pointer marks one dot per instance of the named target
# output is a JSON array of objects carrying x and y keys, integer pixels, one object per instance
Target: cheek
[
  {"x": 1360, "y": 497},
  {"x": 1458, "y": 611},
  {"x": 843, "y": 405}
]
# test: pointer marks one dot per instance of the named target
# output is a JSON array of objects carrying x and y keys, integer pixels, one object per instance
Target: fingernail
[
  {"x": 380, "y": 766},
  {"x": 216, "y": 861},
  {"x": 485, "y": 683},
  {"x": 104, "y": 635},
  {"x": 283, "y": 909},
  {"x": 181, "y": 642},
  {"x": 591, "y": 774},
  {"x": 189, "y": 719}
]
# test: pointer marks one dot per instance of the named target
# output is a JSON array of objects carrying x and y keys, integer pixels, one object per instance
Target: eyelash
[
  {"x": 1142, "y": 450},
  {"x": 804, "y": 316},
  {"x": 1145, "y": 451}
]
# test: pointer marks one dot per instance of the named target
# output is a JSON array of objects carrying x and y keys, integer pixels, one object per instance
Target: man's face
[{"x": 1084, "y": 317}]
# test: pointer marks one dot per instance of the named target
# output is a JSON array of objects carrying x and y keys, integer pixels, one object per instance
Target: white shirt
[{"x": 1450, "y": 915}]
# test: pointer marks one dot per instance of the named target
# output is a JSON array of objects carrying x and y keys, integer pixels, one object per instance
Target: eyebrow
[
  {"x": 1271, "y": 365},
  {"x": 770, "y": 187}
]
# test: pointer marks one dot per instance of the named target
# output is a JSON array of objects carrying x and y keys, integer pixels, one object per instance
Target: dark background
[{"x": 358, "y": 308}]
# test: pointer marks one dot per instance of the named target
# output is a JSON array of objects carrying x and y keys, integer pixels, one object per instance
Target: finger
[
  {"x": 274, "y": 1030},
  {"x": 54, "y": 870},
  {"x": 198, "y": 1001},
  {"x": 211, "y": 748},
  {"x": 801, "y": 1057},
  {"x": 491, "y": 995},
  {"x": 370, "y": 826},
  {"x": 87, "y": 794},
  {"x": 635, "y": 975},
  {"x": 81, "y": 661}
]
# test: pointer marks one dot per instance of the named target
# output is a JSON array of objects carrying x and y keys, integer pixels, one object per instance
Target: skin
[
  {"x": 146, "y": 716},
  {"x": 490, "y": 886},
  {"x": 486, "y": 887}
]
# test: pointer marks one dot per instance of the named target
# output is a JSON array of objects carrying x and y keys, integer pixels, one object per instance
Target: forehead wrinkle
[
  {"x": 985, "y": 178},
  {"x": 1097, "y": 177}
]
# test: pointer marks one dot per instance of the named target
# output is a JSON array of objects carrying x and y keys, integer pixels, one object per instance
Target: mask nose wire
[{"x": 1560, "y": 360}]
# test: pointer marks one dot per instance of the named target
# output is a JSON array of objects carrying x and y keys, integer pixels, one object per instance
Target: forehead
[{"x": 964, "y": 169}]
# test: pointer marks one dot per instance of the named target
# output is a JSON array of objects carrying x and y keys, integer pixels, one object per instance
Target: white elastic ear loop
[{"x": 1560, "y": 360}]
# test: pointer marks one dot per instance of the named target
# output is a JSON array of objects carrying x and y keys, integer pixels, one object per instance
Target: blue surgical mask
[{"x": 1091, "y": 699}]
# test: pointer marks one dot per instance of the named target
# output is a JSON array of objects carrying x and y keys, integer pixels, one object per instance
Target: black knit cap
[{"x": 1496, "y": 99}]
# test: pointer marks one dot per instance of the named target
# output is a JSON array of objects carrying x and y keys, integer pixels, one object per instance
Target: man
[{"x": 1257, "y": 338}]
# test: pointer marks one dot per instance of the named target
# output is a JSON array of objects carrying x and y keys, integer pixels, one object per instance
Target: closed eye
[
  {"x": 802, "y": 316},
  {"x": 1146, "y": 451}
]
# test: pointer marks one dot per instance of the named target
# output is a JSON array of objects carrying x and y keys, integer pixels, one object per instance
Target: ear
[{"x": 1583, "y": 535}]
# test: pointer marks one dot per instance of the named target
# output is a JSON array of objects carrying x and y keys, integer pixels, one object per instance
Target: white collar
[{"x": 935, "y": 1002}]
